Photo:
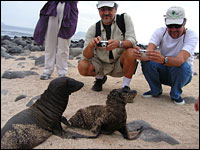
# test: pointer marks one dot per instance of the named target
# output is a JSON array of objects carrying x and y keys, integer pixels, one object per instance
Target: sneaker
[
  {"x": 98, "y": 84},
  {"x": 45, "y": 76},
  {"x": 180, "y": 101},
  {"x": 61, "y": 75},
  {"x": 128, "y": 93},
  {"x": 148, "y": 94}
]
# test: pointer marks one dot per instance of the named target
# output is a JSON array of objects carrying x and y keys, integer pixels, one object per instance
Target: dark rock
[
  {"x": 35, "y": 48},
  {"x": 15, "y": 50},
  {"x": 150, "y": 134},
  {"x": 19, "y": 41},
  {"x": 5, "y": 37},
  {"x": 195, "y": 73},
  {"x": 20, "y": 58},
  {"x": 20, "y": 97},
  {"x": 25, "y": 53},
  {"x": 21, "y": 64},
  {"x": 142, "y": 46},
  {"x": 25, "y": 45},
  {"x": 79, "y": 44},
  {"x": 40, "y": 60},
  {"x": 189, "y": 100},
  {"x": 17, "y": 74},
  {"x": 8, "y": 43},
  {"x": 75, "y": 51},
  {"x": 28, "y": 47},
  {"x": 32, "y": 57},
  {"x": 6, "y": 55},
  {"x": 33, "y": 68}
]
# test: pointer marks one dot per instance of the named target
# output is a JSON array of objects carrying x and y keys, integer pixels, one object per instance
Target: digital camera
[
  {"x": 143, "y": 52},
  {"x": 102, "y": 44}
]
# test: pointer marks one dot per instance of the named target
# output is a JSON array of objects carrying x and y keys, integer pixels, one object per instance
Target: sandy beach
[{"x": 180, "y": 122}]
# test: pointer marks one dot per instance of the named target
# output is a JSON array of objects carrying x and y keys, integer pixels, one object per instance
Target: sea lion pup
[
  {"x": 34, "y": 125},
  {"x": 104, "y": 118}
]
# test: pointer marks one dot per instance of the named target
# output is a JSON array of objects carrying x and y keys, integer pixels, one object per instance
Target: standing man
[
  {"x": 117, "y": 58},
  {"x": 56, "y": 26},
  {"x": 172, "y": 64}
]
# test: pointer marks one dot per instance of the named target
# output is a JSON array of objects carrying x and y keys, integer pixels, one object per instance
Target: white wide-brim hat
[{"x": 105, "y": 4}]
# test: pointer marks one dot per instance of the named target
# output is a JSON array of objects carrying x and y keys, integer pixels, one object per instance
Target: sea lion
[
  {"x": 104, "y": 118},
  {"x": 34, "y": 125}
]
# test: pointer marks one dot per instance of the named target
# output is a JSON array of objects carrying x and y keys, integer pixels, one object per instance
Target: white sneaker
[
  {"x": 179, "y": 103},
  {"x": 45, "y": 76},
  {"x": 61, "y": 75}
]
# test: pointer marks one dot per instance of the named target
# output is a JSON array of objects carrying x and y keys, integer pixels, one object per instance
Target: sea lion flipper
[
  {"x": 74, "y": 135},
  {"x": 137, "y": 133},
  {"x": 65, "y": 121},
  {"x": 134, "y": 135}
]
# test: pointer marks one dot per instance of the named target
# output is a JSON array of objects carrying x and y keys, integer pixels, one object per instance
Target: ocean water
[
  {"x": 12, "y": 31},
  {"x": 12, "y": 34}
]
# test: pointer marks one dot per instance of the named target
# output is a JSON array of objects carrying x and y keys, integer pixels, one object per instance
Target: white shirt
[{"x": 171, "y": 47}]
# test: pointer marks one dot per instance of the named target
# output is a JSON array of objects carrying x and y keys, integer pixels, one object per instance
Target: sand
[{"x": 180, "y": 122}]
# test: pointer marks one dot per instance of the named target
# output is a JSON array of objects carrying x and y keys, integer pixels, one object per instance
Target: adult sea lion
[
  {"x": 34, "y": 125},
  {"x": 104, "y": 118}
]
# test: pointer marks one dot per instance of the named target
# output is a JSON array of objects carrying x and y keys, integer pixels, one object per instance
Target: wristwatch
[
  {"x": 120, "y": 44},
  {"x": 166, "y": 60}
]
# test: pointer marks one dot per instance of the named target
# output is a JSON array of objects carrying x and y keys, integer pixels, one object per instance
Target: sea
[{"x": 13, "y": 31}]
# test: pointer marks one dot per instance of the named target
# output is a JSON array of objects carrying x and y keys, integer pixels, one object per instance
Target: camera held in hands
[
  {"x": 102, "y": 44},
  {"x": 143, "y": 52}
]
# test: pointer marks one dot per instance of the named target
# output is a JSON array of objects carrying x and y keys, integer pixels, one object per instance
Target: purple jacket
[{"x": 68, "y": 25}]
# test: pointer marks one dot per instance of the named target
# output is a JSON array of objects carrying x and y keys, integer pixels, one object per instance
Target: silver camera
[
  {"x": 143, "y": 52},
  {"x": 102, "y": 44}
]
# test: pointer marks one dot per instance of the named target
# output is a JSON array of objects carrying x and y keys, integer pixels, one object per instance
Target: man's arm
[
  {"x": 172, "y": 61},
  {"x": 177, "y": 61},
  {"x": 88, "y": 52}
]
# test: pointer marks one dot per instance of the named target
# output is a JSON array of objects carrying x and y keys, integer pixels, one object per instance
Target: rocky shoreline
[{"x": 23, "y": 46}]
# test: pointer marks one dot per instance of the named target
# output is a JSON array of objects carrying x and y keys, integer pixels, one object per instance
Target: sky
[{"x": 146, "y": 16}]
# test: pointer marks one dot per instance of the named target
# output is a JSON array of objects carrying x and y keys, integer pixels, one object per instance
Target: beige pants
[
  {"x": 113, "y": 69},
  {"x": 56, "y": 48}
]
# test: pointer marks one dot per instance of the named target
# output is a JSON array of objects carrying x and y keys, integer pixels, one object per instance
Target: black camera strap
[{"x": 108, "y": 35}]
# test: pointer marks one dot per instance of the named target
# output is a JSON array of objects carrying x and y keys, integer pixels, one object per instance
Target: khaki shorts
[{"x": 113, "y": 69}]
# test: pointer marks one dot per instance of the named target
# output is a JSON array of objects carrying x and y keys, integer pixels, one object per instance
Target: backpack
[{"x": 120, "y": 23}]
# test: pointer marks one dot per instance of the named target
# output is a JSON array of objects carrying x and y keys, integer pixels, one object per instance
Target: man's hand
[
  {"x": 93, "y": 43},
  {"x": 138, "y": 54},
  {"x": 155, "y": 56},
  {"x": 112, "y": 44}
]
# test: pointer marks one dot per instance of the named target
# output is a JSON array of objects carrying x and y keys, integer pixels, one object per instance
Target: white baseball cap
[
  {"x": 175, "y": 15},
  {"x": 105, "y": 3}
]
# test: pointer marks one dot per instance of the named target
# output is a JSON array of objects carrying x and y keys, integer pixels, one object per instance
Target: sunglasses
[{"x": 177, "y": 26}]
